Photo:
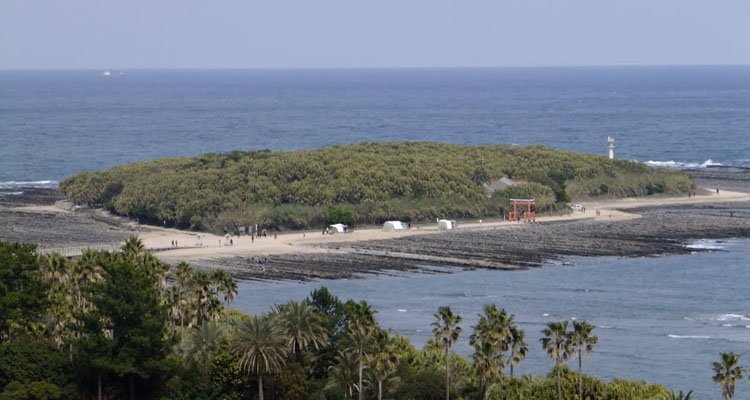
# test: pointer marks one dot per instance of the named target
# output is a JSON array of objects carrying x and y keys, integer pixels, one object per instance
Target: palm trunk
[
  {"x": 131, "y": 384},
  {"x": 380, "y": 390},
  {"x": 361, "y": 368},
  {"x": 99, "y": 387},
  {"x": 511, "y": 370},
  {"x": 260, "y": 387},
  {"x": 580, "y": 376},
  {"x": 559, "y": 386},
  {"x": 447, "y": 375}
]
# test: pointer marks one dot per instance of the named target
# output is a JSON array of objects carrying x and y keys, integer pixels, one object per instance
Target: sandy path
[{"x": 305, "y": 242}]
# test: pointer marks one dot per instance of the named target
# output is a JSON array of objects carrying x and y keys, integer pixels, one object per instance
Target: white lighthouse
[{"x": 611, "y": 147}]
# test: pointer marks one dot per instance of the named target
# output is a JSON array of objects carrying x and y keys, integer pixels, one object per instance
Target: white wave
[
  {"x": 705, "y": 244},
  {"x": 401, "y": 310},
  {"x": 732, "y": 317},
  {"x": 10, "y": 193},
  {"x": 688, "y": 336},
  {"x": 605, "y": 326},
  {"x": 545, "y": 315},
  {"x": 681, "y": 165},
  {"x": 29, "y": 184}
]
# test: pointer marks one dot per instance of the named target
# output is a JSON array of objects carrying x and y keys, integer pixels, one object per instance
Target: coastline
[{"x": 628, "y": 227}]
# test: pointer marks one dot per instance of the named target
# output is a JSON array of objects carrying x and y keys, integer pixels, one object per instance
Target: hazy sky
[{"x": 49, "y": 34}]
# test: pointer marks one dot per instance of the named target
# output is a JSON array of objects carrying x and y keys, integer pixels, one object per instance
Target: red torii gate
[{"x": 528, "y": 208}]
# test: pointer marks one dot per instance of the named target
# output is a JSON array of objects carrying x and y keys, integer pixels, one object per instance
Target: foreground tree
[
  {"x": 203, "y": 342},
  {"x": 23, "y": 291},
  {"x": 446, "y": 331},
  {"x": 518, "y": 347},
  {"x": 490, "y": 341},
  {"x": 582, "y": 340},
  {"x": 360, "y": 331},
  {"x": 556, "y": 343},
  {"x": 125, "y": 329},
  {"x": 383, "y": 362},
  {"x": 261, "y": 346},
  {"x": 679, "y": 396},
  {"x": 304, "y": 327},
  {"x": 728, "y": 372}
]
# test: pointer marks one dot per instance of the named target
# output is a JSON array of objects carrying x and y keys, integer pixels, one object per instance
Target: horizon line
[{"x": 311, "y": 68}]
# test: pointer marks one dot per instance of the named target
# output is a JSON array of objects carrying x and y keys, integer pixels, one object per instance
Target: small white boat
[{"x": 113, "y": 74}]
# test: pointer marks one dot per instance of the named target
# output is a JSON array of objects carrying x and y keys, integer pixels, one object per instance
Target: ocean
[
  {"x": 662, "y": 319},
  {"x": 57, "y": 123}
]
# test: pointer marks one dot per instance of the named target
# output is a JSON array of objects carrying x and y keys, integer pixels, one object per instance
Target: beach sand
[{"x": 310, "y": 254}]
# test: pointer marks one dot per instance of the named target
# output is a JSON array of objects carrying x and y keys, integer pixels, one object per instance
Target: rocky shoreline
[
  {"x": 32, "y": 217},
  {"x": 660, "y": 231}
]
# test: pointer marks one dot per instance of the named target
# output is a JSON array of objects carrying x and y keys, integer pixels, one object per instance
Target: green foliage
[
  {"x": 23, "y": 292},
  {"x": 360, "y": 183},
  {"x": 125, "y": 330},
  {"x": 128, "y": 324},
  {"x": 31, "y": 366},
  {"x": 544, "y": 388},
  {"x": 31, "y": 391}
]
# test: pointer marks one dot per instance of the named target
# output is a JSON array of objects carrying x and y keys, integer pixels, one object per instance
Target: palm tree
[
  {"x": 678, "y": 396},
  {"x": 225, "y": 284},
  {"x": 490, "y": 341},
  {"x": 133, "y": 246},
  {"x": 518, "y": 347},
  {"x": 446, "y": 331},
  {"x": 262, "y": 347},
  {"x": 582, "y": 340},
  {"x": 383, "y": 363},
  {"x": 727, "y": 374},
  {"x": 556, "y": 343},
  {"x": 202, "y": 290},
  {"x": 360, "y": 330},
  {"x": 180, "y": 296},
  {"x": 56, "y": 270},
  {"x": 203, "y": 342},
  {"x": 304, "y": 326},
  {"x": 343, "y": 373}
]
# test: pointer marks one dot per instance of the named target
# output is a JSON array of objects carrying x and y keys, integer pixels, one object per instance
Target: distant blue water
[
  {"x": 661, "y": 319},
  {"x": 54, "y": 124}
]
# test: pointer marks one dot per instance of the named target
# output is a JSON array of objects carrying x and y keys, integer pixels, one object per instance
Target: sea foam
[
  {"x": 689, "y": 336},
  {"x": 29, "y": 184},
  {"x": 682, "y": 165}
]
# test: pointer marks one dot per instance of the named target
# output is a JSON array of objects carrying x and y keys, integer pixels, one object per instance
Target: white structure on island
[
  {"x": 338, "y": 228},
  {"x": 446, "y": 224},
  {"x": 611, "y": 147},
  {"x": 390, "y": 226}
]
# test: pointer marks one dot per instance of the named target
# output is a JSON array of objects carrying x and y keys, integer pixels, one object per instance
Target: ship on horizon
[{"x": 113, "y": 74}]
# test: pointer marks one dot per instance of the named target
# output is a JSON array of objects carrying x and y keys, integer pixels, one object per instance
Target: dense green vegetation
[
  {"x": 115, "y": 325},
  {"x": 361, "y": 183}
]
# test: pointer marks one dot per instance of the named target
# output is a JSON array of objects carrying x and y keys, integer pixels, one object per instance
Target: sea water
[
  {"x": 57, "y": 123},
  {"x": 660, "y": 319}
]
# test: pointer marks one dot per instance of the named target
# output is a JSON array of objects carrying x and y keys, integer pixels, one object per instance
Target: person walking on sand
[{"x": 717, "y": 190}]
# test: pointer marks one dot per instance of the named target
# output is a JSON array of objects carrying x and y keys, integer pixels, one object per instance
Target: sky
[{"x": 129, "y": 34}]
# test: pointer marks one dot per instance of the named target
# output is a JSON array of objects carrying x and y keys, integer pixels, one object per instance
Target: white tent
[
  {"x": 446, "y": 224},
  {"x": 338, "y": 228},
  {"x": 390, "y": 226}
]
